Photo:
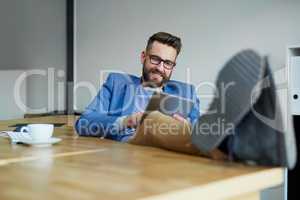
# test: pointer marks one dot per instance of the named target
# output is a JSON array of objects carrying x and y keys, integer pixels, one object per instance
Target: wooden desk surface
[{"x": 93, "y": 168}]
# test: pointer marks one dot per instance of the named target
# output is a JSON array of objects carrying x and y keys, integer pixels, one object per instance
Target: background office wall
[
  {"x": 9, "y": 108},
  {"x": 111, "y": 35},
  {"x": 32, "y": 37}
]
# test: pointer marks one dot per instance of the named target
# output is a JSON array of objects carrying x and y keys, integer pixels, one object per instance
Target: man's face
[{"x": 155, "y": 75}]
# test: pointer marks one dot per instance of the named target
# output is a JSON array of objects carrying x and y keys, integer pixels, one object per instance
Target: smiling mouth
[{"x": 158, "y": 74}]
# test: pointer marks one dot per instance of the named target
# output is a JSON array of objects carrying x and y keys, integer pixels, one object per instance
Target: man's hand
[
  {"x": 132, "y": 121},
  {"x": 180, "y": 118}
]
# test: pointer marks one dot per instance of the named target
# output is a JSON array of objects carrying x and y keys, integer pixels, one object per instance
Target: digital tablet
[{"x": 169, "y": 104}]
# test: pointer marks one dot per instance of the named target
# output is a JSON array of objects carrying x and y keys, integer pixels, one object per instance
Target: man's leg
[
  {"x": 159, "y": 130},
  {"x": 248, "y": 114}
]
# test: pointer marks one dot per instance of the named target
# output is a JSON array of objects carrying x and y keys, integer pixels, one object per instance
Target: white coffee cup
[{"x": 39, "y": 132}]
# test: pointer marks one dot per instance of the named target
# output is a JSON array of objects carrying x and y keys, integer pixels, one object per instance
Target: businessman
[{"x": 117, "y": 109}]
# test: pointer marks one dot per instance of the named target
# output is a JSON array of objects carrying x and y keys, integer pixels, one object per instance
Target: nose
[{"x": 160, "y": 66}]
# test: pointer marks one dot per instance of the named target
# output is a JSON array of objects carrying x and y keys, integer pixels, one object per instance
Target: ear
[{"x": 143, "y": 57}]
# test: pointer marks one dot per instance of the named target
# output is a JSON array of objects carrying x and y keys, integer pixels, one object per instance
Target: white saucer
[{"x": 52, "y": 140}]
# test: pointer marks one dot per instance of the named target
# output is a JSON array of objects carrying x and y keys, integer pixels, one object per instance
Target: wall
[
  {"x": 33, "y": 37},
  {"x": 11, "y": 109}
]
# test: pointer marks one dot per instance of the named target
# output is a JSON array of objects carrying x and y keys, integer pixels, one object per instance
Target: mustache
[{"x": 157, "y": 72}]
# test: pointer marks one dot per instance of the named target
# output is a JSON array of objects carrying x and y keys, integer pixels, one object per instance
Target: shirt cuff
[{"x": 118, "y": 124}]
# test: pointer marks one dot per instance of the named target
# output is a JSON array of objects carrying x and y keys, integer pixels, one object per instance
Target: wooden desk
[{"x": 93, "y": 168}]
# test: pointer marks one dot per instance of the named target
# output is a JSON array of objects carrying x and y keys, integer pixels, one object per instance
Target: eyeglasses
[{"x": 156, "y": 60}]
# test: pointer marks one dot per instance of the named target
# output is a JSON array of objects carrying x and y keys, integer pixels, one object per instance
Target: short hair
[{"x": 165, "y": 38}]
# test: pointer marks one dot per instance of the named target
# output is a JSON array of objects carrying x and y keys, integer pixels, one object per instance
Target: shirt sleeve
[
  {"x": 96, "y": 120},
  {"x": 195, "y": 113}
]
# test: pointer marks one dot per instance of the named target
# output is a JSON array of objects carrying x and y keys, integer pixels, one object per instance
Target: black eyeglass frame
[{"x": 156, "y": 60}]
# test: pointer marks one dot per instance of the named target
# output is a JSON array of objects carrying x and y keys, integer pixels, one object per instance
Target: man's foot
[{"x": 247, "y": 108}]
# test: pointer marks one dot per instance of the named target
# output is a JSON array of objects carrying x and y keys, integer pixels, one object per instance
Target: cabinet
[{"x": 293, "y": 66}]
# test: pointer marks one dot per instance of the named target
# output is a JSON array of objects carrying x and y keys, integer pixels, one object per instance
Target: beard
[{"x": 150, "y": 83}]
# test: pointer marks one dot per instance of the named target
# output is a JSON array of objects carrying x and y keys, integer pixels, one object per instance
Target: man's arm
[
  {"x": 195, "y": 113},
  {"x": 96, "y": 120}
]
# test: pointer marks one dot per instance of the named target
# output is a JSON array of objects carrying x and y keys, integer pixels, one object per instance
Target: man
[
  {"x": 245, "y": 124},
  {"x": 117, "y": 109}
]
